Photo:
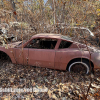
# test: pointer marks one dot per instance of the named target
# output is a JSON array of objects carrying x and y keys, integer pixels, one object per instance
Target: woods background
[{"x": 41, "y": 15}]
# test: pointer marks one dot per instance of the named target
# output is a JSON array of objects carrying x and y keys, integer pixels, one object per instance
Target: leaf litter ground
[{"x": 61, "y": 85}]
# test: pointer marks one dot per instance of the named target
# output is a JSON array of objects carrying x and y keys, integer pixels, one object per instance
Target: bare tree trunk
[
  {"x": 63, "y": 12},
  {"x": 14, "y": 9},
  {"x": 54, "y": 11}
]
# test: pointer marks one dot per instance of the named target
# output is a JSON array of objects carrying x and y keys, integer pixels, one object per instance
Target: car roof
[
  {"x": 81, "y": 28},
  {"x": 48, "y": 35},
  {"x": 78, "y": 27},
  {"x": 51, "y": 35}
]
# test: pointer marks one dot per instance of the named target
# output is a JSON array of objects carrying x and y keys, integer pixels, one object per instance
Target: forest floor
[{"x": 58, "y": 85}]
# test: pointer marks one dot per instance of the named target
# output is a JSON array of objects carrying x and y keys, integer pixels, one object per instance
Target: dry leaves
[{"x": 61, "y": 85}]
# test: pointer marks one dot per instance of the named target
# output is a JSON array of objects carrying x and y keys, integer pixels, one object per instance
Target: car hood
[
  {"x": 85, "y": 47},
  {"x": 93, "y": 49},
  {"x": 12, "y": 45}
]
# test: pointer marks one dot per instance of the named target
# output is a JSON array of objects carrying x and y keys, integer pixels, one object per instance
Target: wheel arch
[
  {"x": 79, "y": 59},
  {"x": 5, "y": 55}
]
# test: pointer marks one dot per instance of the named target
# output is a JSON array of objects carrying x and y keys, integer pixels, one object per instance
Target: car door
[{"x": 42, "y": 52}]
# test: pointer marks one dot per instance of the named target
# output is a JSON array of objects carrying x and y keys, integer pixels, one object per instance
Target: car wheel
[{"x": 79, "y": 67}]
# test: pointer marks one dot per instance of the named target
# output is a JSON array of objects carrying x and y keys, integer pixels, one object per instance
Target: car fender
[{"x": 9, "y": 52}]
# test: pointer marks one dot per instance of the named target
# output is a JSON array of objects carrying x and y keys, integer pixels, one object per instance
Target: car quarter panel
[
  {"x": 64, "y": 56},
  {"x": 21, "y": 55}
]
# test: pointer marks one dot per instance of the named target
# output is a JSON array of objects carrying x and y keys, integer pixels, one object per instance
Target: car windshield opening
[{"x": 42, "y": 43}]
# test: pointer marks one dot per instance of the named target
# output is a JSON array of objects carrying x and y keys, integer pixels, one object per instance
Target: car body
[
  {"x": 53, "y": 51},
  {"x": 80, "y": 32}
]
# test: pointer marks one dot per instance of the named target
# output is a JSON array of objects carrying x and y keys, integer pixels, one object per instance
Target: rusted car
[{"x": 53, "y": 51}]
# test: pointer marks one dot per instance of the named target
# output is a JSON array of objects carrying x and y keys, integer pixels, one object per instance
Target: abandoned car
[
  {"x": 53, "y": 51},
  {"x": 81, "y": 33}
]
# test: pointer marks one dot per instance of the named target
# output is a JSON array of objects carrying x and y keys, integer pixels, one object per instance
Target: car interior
[
  {"x": 64, "y": 44},
  {"x": 42, "y": 43}
]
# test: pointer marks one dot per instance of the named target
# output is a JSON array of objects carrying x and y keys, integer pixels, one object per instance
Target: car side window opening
[
  {"x": 64, "y": 44},
  {"x": 83, "y": 32},
  {"x": 70, "y": 32},
  {"x": 79, "y": 31},
  {"x": 86, "y": 32},
  {"x": 42, "y": 43}
]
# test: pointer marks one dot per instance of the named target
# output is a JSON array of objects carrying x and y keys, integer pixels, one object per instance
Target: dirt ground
[{"x": 60, "y": 85}]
